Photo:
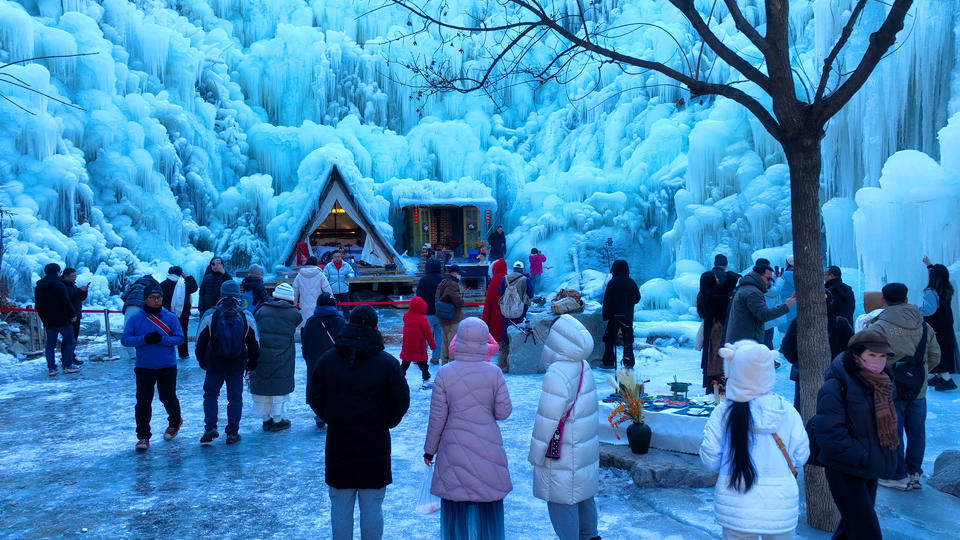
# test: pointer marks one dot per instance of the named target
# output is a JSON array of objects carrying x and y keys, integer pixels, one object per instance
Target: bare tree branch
[
  {"x": 744, "y": 26},
  {"x": 841, "y": 41},
  {"x": 880, "y": 42}
]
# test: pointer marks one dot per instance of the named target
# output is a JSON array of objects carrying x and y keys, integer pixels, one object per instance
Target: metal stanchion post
[{"x": 106, "y": 325}]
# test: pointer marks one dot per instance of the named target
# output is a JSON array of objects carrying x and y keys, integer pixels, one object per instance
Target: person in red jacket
[
  {"x": 491, "y": 308},
  {"x": 416, "y": 336}
]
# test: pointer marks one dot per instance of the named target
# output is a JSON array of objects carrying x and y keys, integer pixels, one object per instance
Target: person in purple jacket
[
  {"x": 471, "y": 479},
  {"x": 155, "y": 333}
]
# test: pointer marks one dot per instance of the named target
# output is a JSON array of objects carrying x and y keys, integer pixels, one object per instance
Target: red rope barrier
[{"x": 390, "y": 303}]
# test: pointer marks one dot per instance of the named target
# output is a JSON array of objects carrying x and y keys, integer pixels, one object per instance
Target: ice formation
[{"x": 203, "y": 126}]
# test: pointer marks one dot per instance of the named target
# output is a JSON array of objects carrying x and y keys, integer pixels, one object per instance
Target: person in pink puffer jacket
[{"x": 469, "y": 397}]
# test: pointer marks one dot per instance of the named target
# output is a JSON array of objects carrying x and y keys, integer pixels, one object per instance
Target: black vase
[{"x": 638, "y": 435}]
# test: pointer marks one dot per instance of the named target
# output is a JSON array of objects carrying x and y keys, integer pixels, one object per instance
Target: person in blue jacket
[{"x": 155, "y": 333}]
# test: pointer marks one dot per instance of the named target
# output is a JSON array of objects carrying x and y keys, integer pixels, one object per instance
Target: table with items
[{"x": 676, "y": 422}]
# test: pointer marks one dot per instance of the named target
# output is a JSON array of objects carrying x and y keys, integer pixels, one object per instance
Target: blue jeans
[
  {"x": 371, "y": 513},
  {"x": 535, "y": 281},
  {"x": 574, "y": 521},
  {"x": 212, "y": 384},
  {"x": 66, "y": 346},
  {"x": 911, "y": 418},
  {"x": 437, "y": 335},
  {"x": 474, "y": 520}
]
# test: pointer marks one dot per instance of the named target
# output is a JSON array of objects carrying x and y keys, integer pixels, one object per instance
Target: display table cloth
[{"x": 671, "y": 431}]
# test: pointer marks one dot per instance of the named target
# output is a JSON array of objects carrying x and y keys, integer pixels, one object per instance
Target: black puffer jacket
[
  {"x": 427, "y": 287},
  {"x": 53, "y": 302},
  {"x": 839, "y": 332},
  {"x": 210, "y": 290},
  {"x": 621, "y": 294},
  {"x": 133, "y": 297},
  {"x": 845, "y": 426},
  {"x": 358, "y": 390},
  {"x": 254, "y": 284},
  {"x": 318, "y": 336},
  {"x": 168, "y": 286}
]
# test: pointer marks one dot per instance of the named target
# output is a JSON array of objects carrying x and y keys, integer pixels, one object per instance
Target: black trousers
[
  {"x": 183, "y": 350},
  {"x": 855, "y": 497},
  {"x": 625, "y": 330},
  {"x": 424, "y": 369},
  {"x": 76, "y": 334},
  {"x": 166, "y": 382}
]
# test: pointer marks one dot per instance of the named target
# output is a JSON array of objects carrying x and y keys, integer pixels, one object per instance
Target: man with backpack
[
  {"x": 915, "y": 352},
  {"x": 449, "y": 306},
  {"x": 253, "y": 292},
  {"x": 227, "y": 345},
  {"x": 516, "y": 293}
]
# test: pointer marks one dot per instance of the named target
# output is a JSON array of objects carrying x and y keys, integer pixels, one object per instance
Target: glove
[
  {"x": 251, "y": 365},
  {"x": 152, "y": 338}
]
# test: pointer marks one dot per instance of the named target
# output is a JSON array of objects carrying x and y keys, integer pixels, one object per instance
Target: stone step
[{"x": 658, "y": 468}]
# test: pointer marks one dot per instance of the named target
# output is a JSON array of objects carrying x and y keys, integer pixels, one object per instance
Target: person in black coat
[
  {"x": 77, "y": 296},
  {"x": 712, "y": 301},
  {"x": 619, "y": 298},
  {"x": 839, "y": 332},
  {"x": 854, "y": 433},
  {"x": 726, "y": 279},
  {"x": 937, "y": 311},
  {"x": 427, "y": 289},
  {"x": 57, "y": 314},
  {"x": 319, "y": 335},
  {"x": 168, "y": 286},
  {"x": 359, "y": 391},
  {"x": 213, "y": 278},
  {"x": 253, "y": 283},
  {"x": 841, "y": 294},
  {"x": 498, "y": 244}
]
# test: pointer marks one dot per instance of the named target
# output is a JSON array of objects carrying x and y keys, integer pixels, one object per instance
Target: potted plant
[{"x": 630, "y": 407}]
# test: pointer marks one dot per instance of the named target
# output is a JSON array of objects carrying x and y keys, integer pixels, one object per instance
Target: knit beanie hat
[
  {"x": 152, "y": 288},
  {"x": 749, "y": 368},
  {"x": 255, "y": 270},
  {"x": 326, "y": 299},
  {"x": 364, "y": 316},
  {"x": 284, "y": 291},
  {"x": 230, "y": 288}
]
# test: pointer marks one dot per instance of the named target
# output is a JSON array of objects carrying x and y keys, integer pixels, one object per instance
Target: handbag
[
  {"x": 553, "y": 447},
  {"x": 909, "y": 373},
  {"x": 445, "y": 310}
]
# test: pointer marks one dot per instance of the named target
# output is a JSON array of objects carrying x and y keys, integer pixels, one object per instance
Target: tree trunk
[{"x": 803, "y": 157}]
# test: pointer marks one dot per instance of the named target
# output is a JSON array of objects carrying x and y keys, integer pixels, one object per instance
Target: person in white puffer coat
[
  {"x": 756, "y": 493},
  {"x": 569, "y": 483},
  {"x": 309, "y": 284}
]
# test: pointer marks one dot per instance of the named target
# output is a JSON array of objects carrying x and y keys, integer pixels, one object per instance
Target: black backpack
[
  {"x": 228, "y": 332},
  {"x": 909, "y": 374}
]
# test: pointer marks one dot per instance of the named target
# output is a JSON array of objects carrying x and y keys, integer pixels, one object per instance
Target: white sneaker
[{"x": 902, "y": 484}]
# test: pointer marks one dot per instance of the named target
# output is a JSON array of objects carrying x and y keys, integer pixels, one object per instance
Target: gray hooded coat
[
  {"x": 278, "y": 321},
  {"x": 748, "y": 310}
]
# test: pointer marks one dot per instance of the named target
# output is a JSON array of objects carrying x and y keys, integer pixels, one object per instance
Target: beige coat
[{"x": 901, "y": 324}]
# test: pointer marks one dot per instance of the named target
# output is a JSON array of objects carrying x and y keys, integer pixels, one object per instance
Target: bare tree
[{"x": 796, "y": 123}]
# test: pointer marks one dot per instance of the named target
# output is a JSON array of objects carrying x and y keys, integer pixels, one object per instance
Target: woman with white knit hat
[
  {"x": 272, "y": 382},
  {"x": 756, "y": 441}
]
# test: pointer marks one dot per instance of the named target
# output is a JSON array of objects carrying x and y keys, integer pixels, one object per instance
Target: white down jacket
[
  {"x": 307, "y": 287},
  {"x": 772, "y": 504},
  {"x": 575, "y": 476}
]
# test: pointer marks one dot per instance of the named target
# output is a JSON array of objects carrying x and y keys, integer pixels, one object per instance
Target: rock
[
  {"x": 946, "y": 473},
  {"x": 525, "y": 352},
  {"x": 90, "y": 326},
  {"x": 658, "y": 468}
]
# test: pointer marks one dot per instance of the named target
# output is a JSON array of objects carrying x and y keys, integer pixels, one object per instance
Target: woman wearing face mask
[{"x": 855, "y": 431}]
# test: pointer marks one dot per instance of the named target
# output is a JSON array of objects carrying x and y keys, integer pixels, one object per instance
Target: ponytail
[{"x": 743, "y": 474}]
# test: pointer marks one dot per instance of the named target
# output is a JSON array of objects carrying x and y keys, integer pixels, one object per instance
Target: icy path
[{"x": 67, "y": 465}]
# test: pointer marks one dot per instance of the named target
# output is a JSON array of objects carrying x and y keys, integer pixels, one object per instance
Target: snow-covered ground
[{"x": 67, "y": 466}]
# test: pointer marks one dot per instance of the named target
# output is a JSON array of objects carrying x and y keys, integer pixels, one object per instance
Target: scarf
[
  {"x": 179, "y": 295},
  {"x": 883, "y": 407}
]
